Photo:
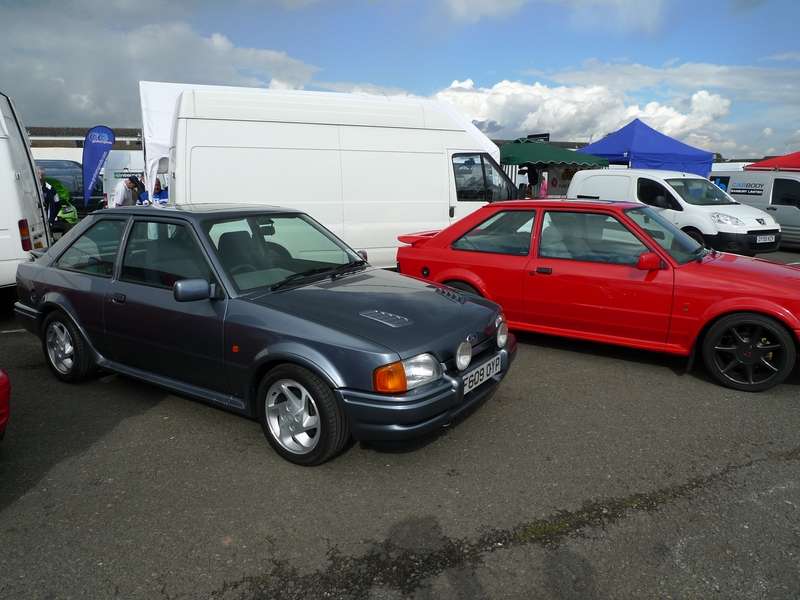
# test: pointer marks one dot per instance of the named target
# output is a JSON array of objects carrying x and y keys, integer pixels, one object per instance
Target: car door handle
[
  {"x": 771, "y": 208},
  {"x": 542, "y": 271},
  {"x": 118, "y": 298}
]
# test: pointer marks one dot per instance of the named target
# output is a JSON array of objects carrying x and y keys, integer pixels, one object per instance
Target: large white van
[
  {"x": 23, "y": 226},
  {"x": 368, "y": 167},
  {"x": 691, "y": 202},
  {"x": 777, "y": 192}
]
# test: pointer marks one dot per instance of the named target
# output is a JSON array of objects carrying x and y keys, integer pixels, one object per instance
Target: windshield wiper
[
  {"x": 295, "y": 277},
  {"x": 355, "y": 265},
  {"x": 699, "y": 253}
]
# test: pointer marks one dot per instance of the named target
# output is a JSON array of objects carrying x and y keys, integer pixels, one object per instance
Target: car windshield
[
  {"x": 700, "y": 192},
  {"x": 270, "y": 250},
  {"x": 679, "y": 245}
]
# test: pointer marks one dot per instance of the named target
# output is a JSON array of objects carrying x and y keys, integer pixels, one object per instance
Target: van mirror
[
  {"x": 661, "y": 202},
  {"x": 649, "y": 261}
]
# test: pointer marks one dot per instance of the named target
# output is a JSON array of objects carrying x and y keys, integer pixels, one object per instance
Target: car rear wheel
[
  {"x": 749, "y": 352},
  {"x": 65, "y": 351},
  {"x": 300, "y": 416},
  {"x": 464, "y": 287}
]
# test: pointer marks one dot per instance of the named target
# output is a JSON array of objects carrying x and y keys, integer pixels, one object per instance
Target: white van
[
  {"x": 777, "y": 192},
  {"x": 23, "y": 226},
  {"x": 691, "y": 202},
  {"x": 368, "y": 167}
]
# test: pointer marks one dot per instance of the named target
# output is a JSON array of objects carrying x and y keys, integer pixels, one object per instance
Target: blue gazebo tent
[{"x": 640, "y": 146}]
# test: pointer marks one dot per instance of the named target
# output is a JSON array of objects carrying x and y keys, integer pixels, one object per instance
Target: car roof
[
  {"x": 567, "y": 203},
  {"x": 198, "y": 211},
  {"x": 657, "y": 173}
]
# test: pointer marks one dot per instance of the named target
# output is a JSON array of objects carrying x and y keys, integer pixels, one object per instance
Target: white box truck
[
  {"x": 368, "y": 167},
  {"x": 777, "y": 192},
  {"x": 23, "y": 226}
]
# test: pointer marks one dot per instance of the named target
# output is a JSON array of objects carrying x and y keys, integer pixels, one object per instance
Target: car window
[
  {"x": 95, "y": 251},
  {"x": 505, "y": 232},
  {"x": 653, "y": 193},
  {"x": 590, "y": 237},
  {"x": 479, "y": 179},
  {"x": 680, "y": 246},
  {"x": 700, "y": 192},
  {"x": 159, "y": 254},
  {"x": 786, "y": 192}
]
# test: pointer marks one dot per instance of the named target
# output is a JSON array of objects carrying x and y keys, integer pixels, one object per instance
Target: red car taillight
[{"x": 24, "y": 235}]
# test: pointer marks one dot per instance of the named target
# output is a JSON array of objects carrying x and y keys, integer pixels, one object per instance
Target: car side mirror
[
  {"x": 191, "y": 290},
  {"x": 649, "y": 261},
  {"x": 661, "y": 202},
  {"x": 363, "y": 255}
]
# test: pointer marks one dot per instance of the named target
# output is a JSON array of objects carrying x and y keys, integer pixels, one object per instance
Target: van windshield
[{"x": 700, "y": 192}]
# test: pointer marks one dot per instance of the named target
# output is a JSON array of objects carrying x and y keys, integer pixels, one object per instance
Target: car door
[
  {"x": 497, "y": 251},
  {"x": 148, "y": 328},
  {"x": 785, "y": 207},
  {"x": 584, "y": 280},
  {"x": 82, "y": 275}
]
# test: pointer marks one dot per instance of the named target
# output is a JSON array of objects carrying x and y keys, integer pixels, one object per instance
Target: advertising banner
[{"x": 96, "y": 146}]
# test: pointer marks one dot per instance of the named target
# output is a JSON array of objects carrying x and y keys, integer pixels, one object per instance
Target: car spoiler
[{"x": 416, "y": 238}]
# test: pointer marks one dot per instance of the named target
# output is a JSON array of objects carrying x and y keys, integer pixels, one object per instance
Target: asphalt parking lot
[{"x": 594, "y": 472}]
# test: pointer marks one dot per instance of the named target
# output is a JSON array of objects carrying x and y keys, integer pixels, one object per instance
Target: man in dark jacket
[{"x": 52, "y": 203}]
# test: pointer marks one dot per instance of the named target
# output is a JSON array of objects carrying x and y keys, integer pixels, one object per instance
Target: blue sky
[{"x": 723, "y": 74}]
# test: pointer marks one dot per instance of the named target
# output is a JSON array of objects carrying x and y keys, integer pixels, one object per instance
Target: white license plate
[
  {"x": 765, "y": 239},
  {"x": 479, "y": 375}
]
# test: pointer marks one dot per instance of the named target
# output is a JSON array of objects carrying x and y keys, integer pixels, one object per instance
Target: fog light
[
  {"x": 502, "y": 332},
  {"x": 463, "y": 355}
]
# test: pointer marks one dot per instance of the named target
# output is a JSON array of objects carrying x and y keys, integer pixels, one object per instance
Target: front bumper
[
  {"x": 379, "y": 417},
  {"x": 744, "y": 243}
]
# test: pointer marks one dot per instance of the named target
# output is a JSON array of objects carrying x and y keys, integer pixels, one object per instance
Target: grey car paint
[{"x": 218, "y": 349}]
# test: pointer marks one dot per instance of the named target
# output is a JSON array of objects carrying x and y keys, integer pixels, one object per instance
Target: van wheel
[
  {"x": 65, "y": 350},
  {"x": 464, "y": 287},
  {"x": 695, "y": 235},
  {"x": 749, "y": 352},
  {"x": 300, "y": 416}
]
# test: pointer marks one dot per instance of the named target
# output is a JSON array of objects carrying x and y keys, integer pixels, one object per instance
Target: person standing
[
  {"x": 52, "y": 203},
  {"x": 123, "y": 193}
]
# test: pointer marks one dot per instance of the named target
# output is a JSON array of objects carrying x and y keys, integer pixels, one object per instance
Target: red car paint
[
  {"x": 5, "y": 392},
  {"x": 662, "y": 310}
]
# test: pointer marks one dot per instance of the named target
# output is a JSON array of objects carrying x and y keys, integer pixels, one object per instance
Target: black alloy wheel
[{"x": 749, "y": 352}]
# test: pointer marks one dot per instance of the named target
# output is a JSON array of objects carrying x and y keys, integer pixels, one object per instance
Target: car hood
[
  {"x": 750, "y": 276},
  {"x": 403, "y": 314},
  {"x": 748, "y": 214}
]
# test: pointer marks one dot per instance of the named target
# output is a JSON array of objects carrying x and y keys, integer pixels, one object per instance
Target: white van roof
[{"x": 655, "y": 173}]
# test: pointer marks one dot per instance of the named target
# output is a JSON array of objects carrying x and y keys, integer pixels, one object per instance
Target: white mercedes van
[
  {"x": 777, "y": 192},
  {"x": 23, "y": 226},
  {"x": 693, "y": 203},
  {"x": 369, "y": 168}
]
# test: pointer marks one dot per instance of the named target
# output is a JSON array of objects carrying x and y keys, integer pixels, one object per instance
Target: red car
[
  {"x": 5, "y": 392},
  {"x": 620, "y": 273}
]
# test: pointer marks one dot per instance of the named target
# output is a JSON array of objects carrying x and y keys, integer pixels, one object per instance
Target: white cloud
[
  {"x": 767, "y": 131},
  {"x": 579, "y": 112},
  {"x": 621, "y": 14},
  {"x": 785, "y": 56}
]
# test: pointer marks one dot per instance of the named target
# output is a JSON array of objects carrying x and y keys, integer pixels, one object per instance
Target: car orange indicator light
[{"x": 390, "y": 379}]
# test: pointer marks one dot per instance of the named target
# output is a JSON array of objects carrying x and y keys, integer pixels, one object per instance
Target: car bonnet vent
[
  {"x": 451, "y": 295},
  {"x": 387, "y": 318}
]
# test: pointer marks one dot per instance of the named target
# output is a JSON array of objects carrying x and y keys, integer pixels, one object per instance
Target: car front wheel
[
  {"x": 749, "y": 352},
  {"x": 65, "y": 351},
  {"x": 300, "y": 416}
]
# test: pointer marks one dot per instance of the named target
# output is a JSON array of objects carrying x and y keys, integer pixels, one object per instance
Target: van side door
[{"x": 785, "y": 207}]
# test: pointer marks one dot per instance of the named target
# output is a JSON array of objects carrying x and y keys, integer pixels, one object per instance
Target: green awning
[{"x": 541, "y": 154}]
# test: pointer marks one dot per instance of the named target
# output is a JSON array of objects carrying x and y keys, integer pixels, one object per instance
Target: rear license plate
[
  {"x": 481, "y": 374},
  {"x": 765, "y": 239}
]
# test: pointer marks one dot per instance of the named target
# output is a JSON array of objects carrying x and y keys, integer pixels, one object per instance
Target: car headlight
[
  {"x": 723, "y": 219},
  {"x": 407, "y": 374},
  {"x": 463, "y": 355},
  {"x": 502, "y": 331}
]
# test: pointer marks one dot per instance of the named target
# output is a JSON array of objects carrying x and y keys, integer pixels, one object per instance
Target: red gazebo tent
[{"x": 788, "y": 162}]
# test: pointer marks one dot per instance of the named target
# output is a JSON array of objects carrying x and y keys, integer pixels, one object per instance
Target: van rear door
[{"x": 28, "y": 193}]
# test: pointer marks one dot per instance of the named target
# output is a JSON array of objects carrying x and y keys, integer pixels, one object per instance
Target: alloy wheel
[
  {"x": 749, "y": 354},
  {"x": 292, "y": 416},
  {"x": 60, "y": 347}
]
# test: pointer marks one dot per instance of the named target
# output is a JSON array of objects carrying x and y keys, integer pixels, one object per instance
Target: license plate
[
  {"x": 765, "y": 239},
  {"x": 481, "y": 374}
]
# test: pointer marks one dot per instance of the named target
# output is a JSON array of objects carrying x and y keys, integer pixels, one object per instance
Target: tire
[
  {"x": 695, "y": 235},
  {"x": 464, "y": 287},
  {"x": 749, "y": 352},
  {"x": 65, "y": 350},
  {"x": 289, "y": 397}
]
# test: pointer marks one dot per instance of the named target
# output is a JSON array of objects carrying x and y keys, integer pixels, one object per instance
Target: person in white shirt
[{"x": 123, "y": 193}]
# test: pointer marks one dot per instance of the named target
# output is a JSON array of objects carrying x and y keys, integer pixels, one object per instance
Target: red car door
[{"x": 583, "y": 281}]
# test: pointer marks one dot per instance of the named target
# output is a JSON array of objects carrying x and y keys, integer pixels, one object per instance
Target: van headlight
[
  {"x": 502, "y": 331},
  {"x": 723, "y": 219},
  {"x": 407, "y": 374}
]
